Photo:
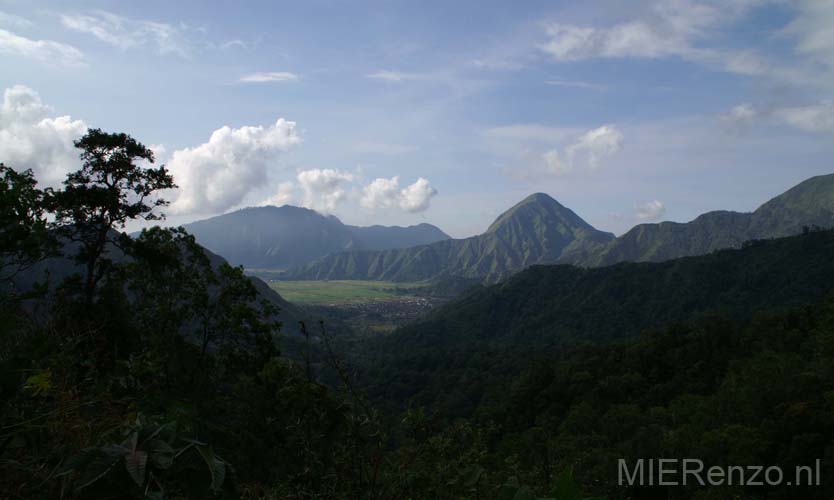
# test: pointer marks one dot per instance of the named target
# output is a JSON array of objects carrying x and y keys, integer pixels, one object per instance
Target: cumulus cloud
[
  {"x": 41, "y": 50},
  {"x": 587, "y": 151},
  {"x": 651, "y": 211},
  {"x": 125, "y": 33},
  {"x": 323, "y": 188},
  {"x": 218, "y": 174},
  {"x": 386, "y": 193},
  {"x": 268, "y": 77},
  {"x": 284, "y": 195},
  {"x": 30, "y": 139},
  {"x": 597, "y": 144}
]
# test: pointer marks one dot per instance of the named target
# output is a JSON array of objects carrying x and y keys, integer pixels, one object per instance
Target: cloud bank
[
  {"x": 219, "y": 174},
  {"x": 386, "y": 193},
  {"x": 31, "y": 139}
]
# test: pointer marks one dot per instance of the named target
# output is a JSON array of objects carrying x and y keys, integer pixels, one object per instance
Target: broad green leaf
[{"x": 136, "y": 463}]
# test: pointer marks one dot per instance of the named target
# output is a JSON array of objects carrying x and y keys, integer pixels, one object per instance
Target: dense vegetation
[
  {"x": 146, "y": 367},
  {"x": 450, "y": 359}
]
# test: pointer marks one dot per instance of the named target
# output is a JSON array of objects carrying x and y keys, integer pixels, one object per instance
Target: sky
[{"x": 402, "y": 112}]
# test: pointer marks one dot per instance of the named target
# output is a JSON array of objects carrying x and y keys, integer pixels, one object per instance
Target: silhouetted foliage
[{"x": 109, "y": 190}]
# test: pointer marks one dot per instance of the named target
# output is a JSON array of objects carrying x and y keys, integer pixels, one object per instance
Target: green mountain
[
  {"x": 544, "y": 308},
  {"x": 809, "y": 204},
  {"x": 280, "y": 237},
  {"x": 536, "y": 230}
]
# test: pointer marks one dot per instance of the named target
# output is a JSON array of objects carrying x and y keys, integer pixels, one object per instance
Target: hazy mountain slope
[
  {"x": 543, "y": 307},
  {"x": 536, "y": 230},
  {"x": 281, "y": 237},
  {"x": 810, "y": 203},
  {"x": 387, "y": 237}
]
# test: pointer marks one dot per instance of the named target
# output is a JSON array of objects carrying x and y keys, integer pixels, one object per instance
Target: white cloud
[
  {"x": 30, "y": 139},
  {"x": 14, "y": 21},
  {"x": 393, "y": 76},
  {"x": 42, "y": 50},
  {"x": 266, "y": 77},
  {"x": 217, "y": 175},
  {"x": 813, "y": 118},
  {"x": 587, "y": 151},
  {"x": 596, "y": 144},
  {"x": 742, "y": 113},
  {"x": 651, "y": 211},
  {"x": 386, "y": 193},
  {"x": 812, "y": 28},
  {"x": 284, "y": 196},
  {"x": 323, "y": 188},
  {"x": 126, "y": 33},
  {"x": 670, "y": 28},
  {"x": 555, "y": 164}
]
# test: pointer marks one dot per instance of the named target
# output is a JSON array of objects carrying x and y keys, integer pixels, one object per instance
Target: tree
[
  {"x": 109, "y": 190},
  {"x": 24, "y": 238}
]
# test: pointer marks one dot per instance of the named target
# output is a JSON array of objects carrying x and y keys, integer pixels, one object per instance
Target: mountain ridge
[
  {"x": 536, "y": 230},
  {"x": 807, "y": 204},
  {"x": 280, "y": 237}
]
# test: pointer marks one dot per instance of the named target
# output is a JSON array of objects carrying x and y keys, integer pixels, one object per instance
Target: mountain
[
  {"x": 280, "y": 237},
  {"x": 809, "y": 204},
  {"x": 545, "y": 309},
  {"x": 536, "y": 230}
]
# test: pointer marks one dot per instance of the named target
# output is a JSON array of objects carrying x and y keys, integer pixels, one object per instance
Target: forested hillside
[{"x": 451, "y": 359}]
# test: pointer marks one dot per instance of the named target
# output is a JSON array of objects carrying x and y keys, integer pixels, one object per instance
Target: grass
[{"x": 340, "y": 292}]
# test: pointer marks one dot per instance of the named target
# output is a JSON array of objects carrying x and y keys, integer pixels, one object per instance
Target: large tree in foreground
[
  {"x": 110, "y": 189},
  {"x": 24, "y": 238}
]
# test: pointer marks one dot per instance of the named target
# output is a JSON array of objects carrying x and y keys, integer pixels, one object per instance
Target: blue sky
[{"x": 400, "y": 112}]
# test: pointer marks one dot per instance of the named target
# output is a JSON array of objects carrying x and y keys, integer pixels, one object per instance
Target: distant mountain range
[
  {"x": 281, "y": 237},
  {"x": 536, "y": 230},
  {"x": 810, "y": 203},
  {"x": 539, "y": 230}
]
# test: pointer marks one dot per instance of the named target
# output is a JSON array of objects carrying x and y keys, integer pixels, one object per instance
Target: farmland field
[{"x": 341, "y": 292}]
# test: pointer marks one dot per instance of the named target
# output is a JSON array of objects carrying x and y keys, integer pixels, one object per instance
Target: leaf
[
  {"x": 40, "y": 383},
  {"x": 216, "y": 467},
  {"x": 136, "y": 463},
  {"x": 160, "y": 453},
  {"x": 98, "y": 467}
]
